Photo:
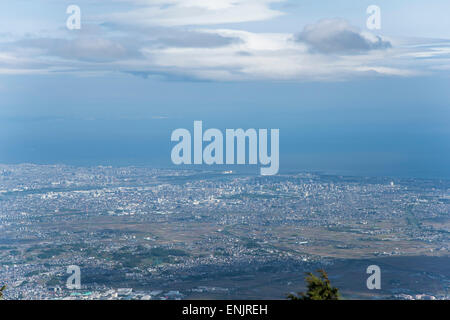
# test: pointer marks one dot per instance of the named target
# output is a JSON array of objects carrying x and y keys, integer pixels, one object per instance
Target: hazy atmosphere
[{"x": 224, "y": 150}]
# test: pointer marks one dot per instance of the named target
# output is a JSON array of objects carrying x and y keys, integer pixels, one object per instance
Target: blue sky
[{"x": 345, "y": 98}]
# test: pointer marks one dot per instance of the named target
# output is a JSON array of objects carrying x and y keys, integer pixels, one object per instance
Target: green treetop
[
  {"x": 1, "y": 292},
  {"x": 319, "y": 288}
]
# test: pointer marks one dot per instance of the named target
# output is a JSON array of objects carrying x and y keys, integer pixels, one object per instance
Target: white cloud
[
  {"x": 269, "y": 56},
  {"x": 157, "y": 41},
  {"x": 337, "y": 36},
  {"x": 195, "y": 12},
  {"x": 257, "y": 56}
]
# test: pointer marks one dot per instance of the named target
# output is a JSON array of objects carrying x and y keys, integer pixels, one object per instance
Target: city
[{"x": 143, "y": 233}]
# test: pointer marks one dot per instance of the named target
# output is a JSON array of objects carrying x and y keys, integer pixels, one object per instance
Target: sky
[{"x": 345, "y": 98}]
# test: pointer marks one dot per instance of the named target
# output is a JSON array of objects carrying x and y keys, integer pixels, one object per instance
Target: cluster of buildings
[{"x": 106, "y": 218}]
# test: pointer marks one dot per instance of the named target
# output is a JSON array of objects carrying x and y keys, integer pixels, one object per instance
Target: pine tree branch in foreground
[
  {"x": 1, "y": 292},
  {"x": 319, "y": 288}
]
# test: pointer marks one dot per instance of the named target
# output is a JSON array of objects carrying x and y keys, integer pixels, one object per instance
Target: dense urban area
[{"x": 143, "y": 233}]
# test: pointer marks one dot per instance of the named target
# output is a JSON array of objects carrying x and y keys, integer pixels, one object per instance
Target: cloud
[
  {"x": 93, "y": 49},
  {"x": 262, "y": 56},
  {"x": 338, "y": 37},
  {"x": 195, "y": 39},
  {"x": 195, "y": 12},
  {"x": 330, "y": 50},
  {"x": 107, "y": 46}
]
